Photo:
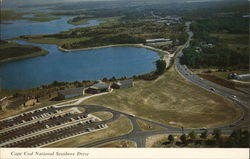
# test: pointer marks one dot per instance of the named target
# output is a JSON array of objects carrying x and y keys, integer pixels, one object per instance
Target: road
[
  {"x": 137, "y": 134},
  {"x": 242, "y": 100}
]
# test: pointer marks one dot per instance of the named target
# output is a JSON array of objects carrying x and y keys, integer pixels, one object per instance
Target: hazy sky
[{"x": 16, "y": 3}]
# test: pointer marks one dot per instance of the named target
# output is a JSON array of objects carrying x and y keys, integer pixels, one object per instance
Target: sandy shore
[
  {"x": 100, "y": 47},
  {"x": 167, "y": 56}
]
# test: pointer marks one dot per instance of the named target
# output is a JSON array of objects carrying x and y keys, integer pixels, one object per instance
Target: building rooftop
[
  {"x": 124, "y": 82},
  {"x": 100, "y": 85},
  {"x": 72, "y": 91}
]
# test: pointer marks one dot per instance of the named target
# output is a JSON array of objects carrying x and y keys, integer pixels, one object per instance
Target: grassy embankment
[
  {"x": 172, "y": 101},
  {"x": 38, "y": 17},
  {"x": 115, "y": 128},
  {"x": 11, "y": 51}
]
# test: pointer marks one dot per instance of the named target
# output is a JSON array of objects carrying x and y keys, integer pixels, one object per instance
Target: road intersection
[{"x": 137, "y": 134}]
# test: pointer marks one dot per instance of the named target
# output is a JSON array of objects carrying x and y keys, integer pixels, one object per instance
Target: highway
[
  {"x": 242, "y": 100},
  {"x": 136, "y": 134}
]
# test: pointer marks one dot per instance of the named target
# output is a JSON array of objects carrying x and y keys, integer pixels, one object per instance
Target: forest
[
  {"x": 118, "y": 32},
  {"x": 209, "y": 51}
]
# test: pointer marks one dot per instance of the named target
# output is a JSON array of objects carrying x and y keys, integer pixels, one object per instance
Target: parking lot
[{"x": 47, "y": 125}]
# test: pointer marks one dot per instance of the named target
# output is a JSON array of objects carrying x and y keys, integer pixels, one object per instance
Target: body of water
[
  {"x": 26, "y": 27},
  {"x": 60, "y": 66}
]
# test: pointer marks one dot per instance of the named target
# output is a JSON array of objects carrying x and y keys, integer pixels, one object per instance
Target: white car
[
  {"x": 132, "y": 115},
  {"x": 233, "y": 96},
  {"x": 212, "y": 89}
]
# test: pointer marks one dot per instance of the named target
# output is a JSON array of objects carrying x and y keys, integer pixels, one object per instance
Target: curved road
[
  {"x": 139, "y": 136},
  {"x": 242, "y": 100}
]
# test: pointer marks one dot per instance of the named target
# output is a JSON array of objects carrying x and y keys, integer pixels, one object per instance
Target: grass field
[
  {"x": 103, "y": 115},
  {"x": 118, "y": 144},
  {"x": 147, "y": 126},
  {"x": 115, "y": 128},
  {"x": 171, "y": 100}
]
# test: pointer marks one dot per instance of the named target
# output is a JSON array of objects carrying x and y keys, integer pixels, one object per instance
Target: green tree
[
  {"x": 171, "y": 139},
  {"x": 160, "y": 67},
  {"x": 192, "y": 135},
  {"x": 217, "y": 136},
  {"x": 183, "y": 139},
  {"x": 204, "y": 134},
  {"x": 235, "y": 138},
  {"x": 245, "y": 139}
]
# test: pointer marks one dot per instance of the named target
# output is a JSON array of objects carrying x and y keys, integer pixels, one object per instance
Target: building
[
  {"x": 98, "y": 88},
  {"x": 238, "y": 77},
  {"x": 243, "y": 76},
  {"x": 123, "y": 84},
  {"x": 70, "y": 93},
  {"x": 160, "y": 40}
]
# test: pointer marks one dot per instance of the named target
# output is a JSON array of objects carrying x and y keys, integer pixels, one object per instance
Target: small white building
[{"x": 159, "y": 40}]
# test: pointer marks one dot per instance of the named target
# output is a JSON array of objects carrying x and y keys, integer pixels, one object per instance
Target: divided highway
[
  {"x": 240, "y": 99},
  {"x": 137, "y": 134}
]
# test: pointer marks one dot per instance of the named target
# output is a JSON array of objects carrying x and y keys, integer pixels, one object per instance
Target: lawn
[{"x": 171, "y": 100}]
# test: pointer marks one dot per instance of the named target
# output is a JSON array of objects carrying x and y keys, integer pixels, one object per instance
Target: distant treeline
[
  {"x": 121, "y": 32},
  {"x": 210, "y": 51},
  {"x": 218, "y": 56},
  {"x": 235, "y": 24}
]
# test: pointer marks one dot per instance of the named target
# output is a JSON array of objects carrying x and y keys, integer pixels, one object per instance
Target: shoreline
[
  {"x": 164, "y": 55},
  {"x": 117, "y": 45},
  {"x": 36, "y": 54},
  {"x": 100, "y": 47}
]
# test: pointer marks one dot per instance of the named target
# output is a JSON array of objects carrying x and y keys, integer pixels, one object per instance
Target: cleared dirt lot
[{"x": 171, "y": 100}]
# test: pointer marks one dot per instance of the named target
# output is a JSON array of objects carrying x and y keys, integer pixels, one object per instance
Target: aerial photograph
[{"x": 124, "y": 74}]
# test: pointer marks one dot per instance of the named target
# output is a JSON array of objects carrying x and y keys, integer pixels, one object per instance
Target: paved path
[{"x": 139, "y": 136}]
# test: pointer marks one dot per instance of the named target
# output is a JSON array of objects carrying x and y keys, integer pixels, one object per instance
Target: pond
[{"x": 78, "y": 65}]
